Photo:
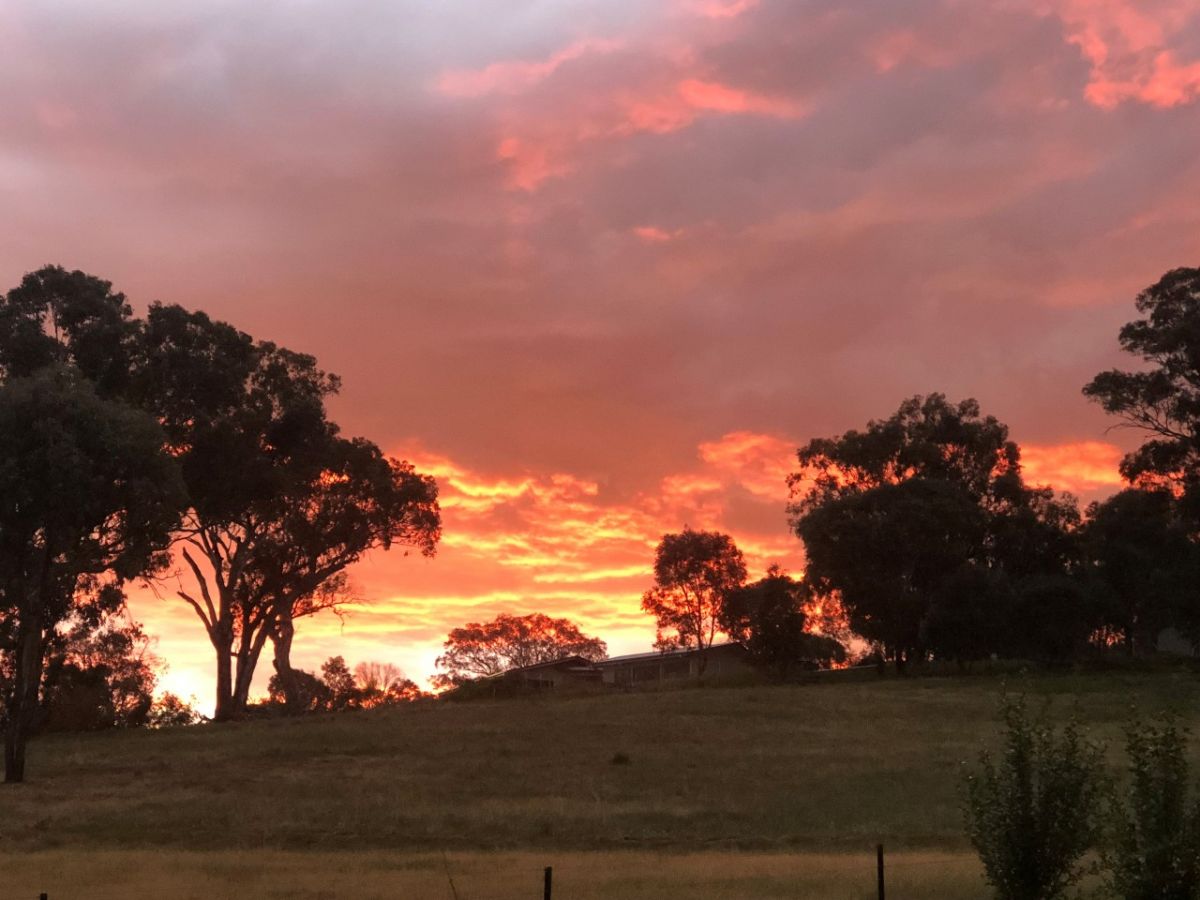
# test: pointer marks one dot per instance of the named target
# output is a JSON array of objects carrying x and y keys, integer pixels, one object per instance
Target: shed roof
[{"x": 662, "y": 654}]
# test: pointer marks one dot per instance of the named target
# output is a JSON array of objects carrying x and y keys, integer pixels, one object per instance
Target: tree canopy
[
  {"x": 914, "y": 509},
  {"x": 694, "y": 573},
  {"x": 278, "y": 505},
  {"x": 770, "y": 619},
  {"x": 89, "y": 500},
  {"x": 1162, "y": 399},
  {"x": 483, "y": 649}
]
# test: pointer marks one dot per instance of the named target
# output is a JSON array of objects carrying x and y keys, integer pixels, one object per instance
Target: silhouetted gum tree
[
  {"x": 1139, "y": 549},
  {"x": 281, "y": 504},
  {"x": 769, "y": 618},
  {"x": 483, "y": 649},
  {"x": 360, "y": 500},
  {"x": 932, "y": 493},
  {"x": 278, "y": 503},
  {"x": 694, "y": 574},
  {"x": 86, "y": 493},
  {"x": 1163, "y": 399},
  {"x": 247, "y": 422},
  {"x": 886, "y": 550},
  {"x": 55, "y": 317}
]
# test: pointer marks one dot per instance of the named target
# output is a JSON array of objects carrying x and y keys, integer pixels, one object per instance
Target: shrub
[
  {"x": 1033, "y": 814},
  {"x": 1155, "y": 853}
]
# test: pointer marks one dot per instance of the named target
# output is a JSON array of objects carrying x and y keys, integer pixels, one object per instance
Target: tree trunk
[
  {"x": 27, "y": 678},
  {"x": 247, "y": 662},
  {"x": 223, "y": 645},
  {"x": 281, "y": 640}
]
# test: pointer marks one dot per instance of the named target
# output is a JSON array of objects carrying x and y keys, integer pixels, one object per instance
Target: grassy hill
[{"x": 814, "y": 770}]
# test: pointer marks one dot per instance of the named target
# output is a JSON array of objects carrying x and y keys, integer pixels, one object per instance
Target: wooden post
[
  {"x": 879, "y": 868},
  {"x": 549, "y": 882}
]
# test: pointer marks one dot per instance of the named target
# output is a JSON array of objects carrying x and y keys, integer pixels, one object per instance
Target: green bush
[
  {"x": 1155, "y": 851},
  {"x": 1033, "y": 813}
]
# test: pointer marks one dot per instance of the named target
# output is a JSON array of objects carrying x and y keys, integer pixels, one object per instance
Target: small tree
[
  {"x": 343, "y": 692},
  {"x": 1156, "y": 851},
  {"x": 770, "y": 619},
  {"x": 480, "y": 650},
  {"x": 694, "y": 574},
  {"x": 1033, "y": 814},
  {"x": 171, "y": 711}
]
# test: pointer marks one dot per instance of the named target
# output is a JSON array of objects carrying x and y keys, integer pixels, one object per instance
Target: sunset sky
[{"x": 601, "y": 266}]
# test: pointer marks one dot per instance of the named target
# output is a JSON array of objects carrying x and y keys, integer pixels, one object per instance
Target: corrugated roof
[{"x": 660, "y": 654}]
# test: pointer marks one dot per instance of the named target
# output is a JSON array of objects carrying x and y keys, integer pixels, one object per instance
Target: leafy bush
[
  {"x": 1034, "y": 813},
  {"x": 1155, "y": 854}
]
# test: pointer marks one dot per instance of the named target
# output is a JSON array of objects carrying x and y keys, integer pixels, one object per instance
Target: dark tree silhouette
[
  {"x": 172, "y": 711},
  {"x": 1163, "y": 399},
  {"x": 1139, "y": 549},
  {"x": 885, "y": 552},
  {"x": 769, "y": 618},
  {"x": 932, "y": 493},
  {"x": 279, "y": 503},
  {"x": 88, "y": 495},
  {"x": 100, "y": 671},
  {"x": 694, "y": 573},
  {"x": 483, "y": 649}
]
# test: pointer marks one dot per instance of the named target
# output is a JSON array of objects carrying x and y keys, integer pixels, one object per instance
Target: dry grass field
[{"x": 732, "y": 792}]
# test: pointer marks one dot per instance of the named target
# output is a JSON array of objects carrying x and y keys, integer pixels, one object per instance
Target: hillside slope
[{"x": 813, "y": 767}]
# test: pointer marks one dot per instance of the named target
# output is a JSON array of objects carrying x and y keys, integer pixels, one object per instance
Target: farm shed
[{"x": 649, "y": 668}]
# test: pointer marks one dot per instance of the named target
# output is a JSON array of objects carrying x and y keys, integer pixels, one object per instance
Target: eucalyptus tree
[
  {"x": 278, "y": 502},
  {"x": 88, "y": 500}
]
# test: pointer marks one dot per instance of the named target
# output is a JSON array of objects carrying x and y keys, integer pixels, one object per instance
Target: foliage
[
  {"x": 279, "y": 504},
  {"x": 1156, "y": 851},
  {"x": 100, "y": 672},
  {"x": 1140, "y": 550},
  {"x": 309, "y": 693},
  {"x": 694, "y": 573},
  {"x": 908, "y": 520},
  {"x": 339, "y": 682},
  {"x": 769, "y": 618},
  {"x": 1033, "y": 814},
  {"x": 1052, "y": 618},
  {"x": 970, "y": 614},
  {"x": 1162, "y": 399},
  {"x": 89, "y": 497},
  {"x": 171, "y": 711},
  {"x": 885, "y": 552},
  {"x": 370, "y": 685},
  {"x": 483, "y": 649}
]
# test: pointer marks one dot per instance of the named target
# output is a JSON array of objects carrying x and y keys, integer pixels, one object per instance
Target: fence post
[
  {"x": 549, "y": 882},
  {"x": 879, "y": 868}
]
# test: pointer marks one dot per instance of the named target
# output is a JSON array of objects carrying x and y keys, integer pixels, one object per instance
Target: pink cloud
[
  {"x": 1128, "y": 46},
  {"x": 652, "y": 234},
  {"x": 514, "y": 76},
  {"x": 721, "y": 9}
]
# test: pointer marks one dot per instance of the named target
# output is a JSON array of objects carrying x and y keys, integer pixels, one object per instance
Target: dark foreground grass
[
  {"x": 378, "y": 875},
  {"x": 817, "y": 768}
]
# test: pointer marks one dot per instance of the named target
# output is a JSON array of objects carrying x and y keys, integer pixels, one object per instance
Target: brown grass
[
  {"x": 119, "y": 875},
  {"x": 746, "y": 792}
]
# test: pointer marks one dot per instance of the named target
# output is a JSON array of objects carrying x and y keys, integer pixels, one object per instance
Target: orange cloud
[{"x": 1075, "y": 467}]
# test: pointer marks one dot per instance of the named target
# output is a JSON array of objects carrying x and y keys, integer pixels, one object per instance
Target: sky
[{"x": 600, "y": 266}]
